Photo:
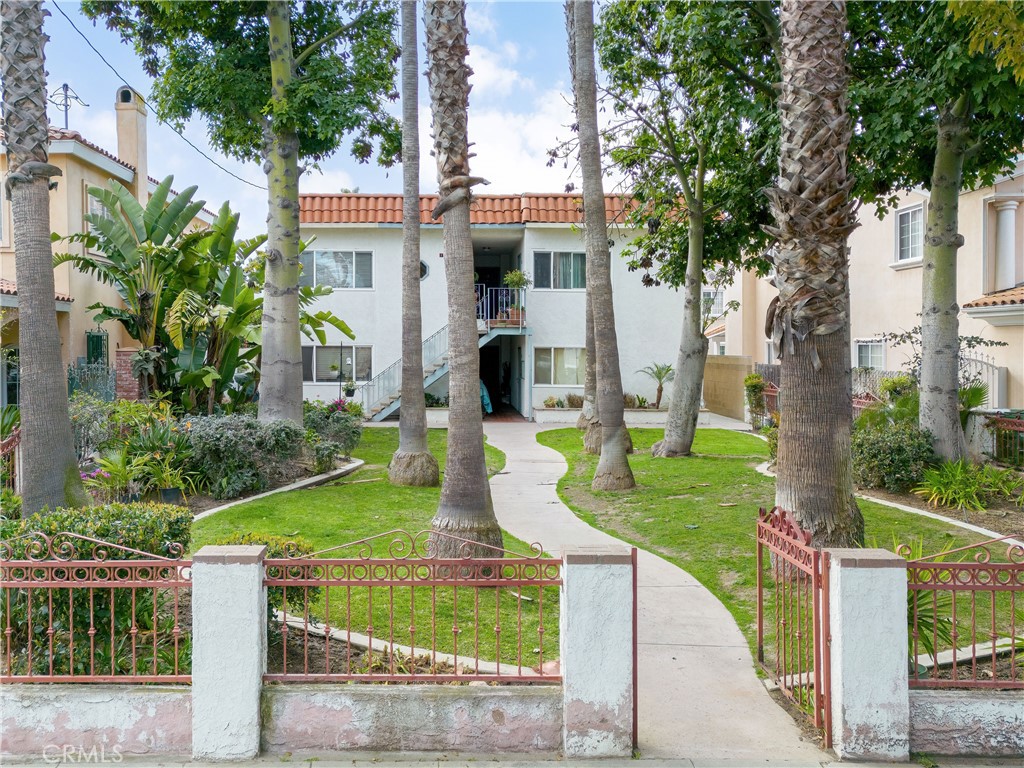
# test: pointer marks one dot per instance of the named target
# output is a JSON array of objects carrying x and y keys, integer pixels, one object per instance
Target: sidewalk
[{"x": 699, "y": 697}]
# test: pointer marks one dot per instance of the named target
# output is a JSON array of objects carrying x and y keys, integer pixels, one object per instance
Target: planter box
[{"x": 635, "y": 417}]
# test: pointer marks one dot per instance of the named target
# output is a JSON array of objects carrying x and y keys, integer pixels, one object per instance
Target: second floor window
[
  {"x": 337, "y": 269},
  {"x": 563, "y": 270},
  {"x": 713, "y": 302},
  {"x": 910, "y": 234}
]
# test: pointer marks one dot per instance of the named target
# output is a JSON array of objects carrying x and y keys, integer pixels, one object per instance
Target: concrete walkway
[{"x": 699, "y": 696}]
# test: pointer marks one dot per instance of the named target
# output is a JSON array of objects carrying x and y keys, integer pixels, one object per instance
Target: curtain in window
[
  {"x": 330, "y": 269},
  {"x": 542, "y": 366},
  {"x": 564, "y": 275},
  {"x": 363, "y": 272},
  {"x": 569, "y": 366},
  {"x": 326, "y": 357}
]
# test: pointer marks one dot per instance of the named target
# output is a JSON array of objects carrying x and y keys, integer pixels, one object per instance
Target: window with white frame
[
  {"x": 324, "y": 365},
  {"x": 870, "y": 353},
  {"x": 337, "y": 269},
  {"x": 559, "y": 365},
  {"x": 712, "y": 302},
  {"x": 910, "y": 234},
  {"x": 95, "y": 208},
  {"x": 560, "y": 270}
]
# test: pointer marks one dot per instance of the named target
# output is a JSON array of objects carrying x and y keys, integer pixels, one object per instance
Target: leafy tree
[
  {"x": 465, "y": 509},
  {"x": 996, "y": 26},
  {"x": 809, "y": 320},
  {"x": 51, "y": 477},
  {"x": 691, "y": 144},
  {"x": 413, "y": 463},
  {"x": 277, "y": 82},
  {"x": 613, "y": 471}
]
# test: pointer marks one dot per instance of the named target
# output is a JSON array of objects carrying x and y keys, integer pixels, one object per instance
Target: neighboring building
[
  {"x": 84, "y": 164},
  {"x": 885, "y": 286},
  {"x": 358, "y": 252}
]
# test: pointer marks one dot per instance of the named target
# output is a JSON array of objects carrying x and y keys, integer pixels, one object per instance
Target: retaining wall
[{"x": 968, "y": 723}]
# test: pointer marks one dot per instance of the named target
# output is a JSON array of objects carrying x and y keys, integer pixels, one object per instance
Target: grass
[
  {"x": 699, "y": 512},
  {"x": 364, "y": 504}
]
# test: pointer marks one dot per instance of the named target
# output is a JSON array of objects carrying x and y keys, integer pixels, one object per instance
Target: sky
[{"x": 519, "y": 109}]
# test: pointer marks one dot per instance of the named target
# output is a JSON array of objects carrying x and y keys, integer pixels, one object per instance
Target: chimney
[{"x": 131, "y": 138}]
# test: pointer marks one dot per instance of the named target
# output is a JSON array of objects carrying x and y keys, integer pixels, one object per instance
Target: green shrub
[
  {"x": 892, "y": 387},
  {"x": 91, "y": 422},
  {"x": 628, "y": 400},
  {"x": 278, "y": 547},
  {"x": 433, "y": 401},
  {"x": 10, "y": 503},
  {"x": 573, "y": 400},
  {"x": 324, "y": 454},
  {"x": 771, "y": 433},
  {"x": 965, "y": 486},
  {"x": 891, "y": 456},
  {"x": 339, "y": 426},
  {"x": 239, "y": 454},
  {"x": 753, "y": 385}
]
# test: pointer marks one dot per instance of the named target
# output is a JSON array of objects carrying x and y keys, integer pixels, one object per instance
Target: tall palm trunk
[
  {"x": 51, "y": 477},
  {"x": 465, "y": 509},
  {"x": 940, "y": 327},
  {"x": 809, "y": 320},
  {"x": 413, "y": 463},
  {"x": 684, "y": 407},
  {"x": 613, "y": 470},
  {"x": 281, "y": 375}
]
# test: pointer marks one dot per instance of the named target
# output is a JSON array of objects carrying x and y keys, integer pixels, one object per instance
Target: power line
[{"x": 125, "y": 81}]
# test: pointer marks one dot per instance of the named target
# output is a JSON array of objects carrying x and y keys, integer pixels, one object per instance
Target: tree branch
[{"x": 317, "y": 45}]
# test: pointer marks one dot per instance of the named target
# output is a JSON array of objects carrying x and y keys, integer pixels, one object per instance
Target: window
[
  {"x": 337, "y": 269},
  {"x": 562, "y": 270},
  {"x": 96, "y": 208},
  {"x": 10, "y": 375},
  {"x": 870, "y": 354},
  {"x": 424, "y": 270},
  {"x": 910, "y": 234},
  {"x": 355, "y": 363},
  {"x": 712, "y": 302},
  {"x": 559, "y": 365}
]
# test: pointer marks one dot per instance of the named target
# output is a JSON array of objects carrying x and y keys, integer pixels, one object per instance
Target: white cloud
[
  {"x": 492, "y": 77},
  {"x": 480, "y": 19},
  {"x": 326, "y": 180}
]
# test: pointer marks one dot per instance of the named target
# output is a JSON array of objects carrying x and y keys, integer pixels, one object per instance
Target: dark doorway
[{"x": 490, "y": 371}]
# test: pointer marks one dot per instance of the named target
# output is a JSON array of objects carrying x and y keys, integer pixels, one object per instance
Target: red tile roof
[
  {"x": 349, "y": 208},
  {"x": 63, "y": 134},
  {"x": 10, "y": 288},
  {"x": 1005, "y": 298}
]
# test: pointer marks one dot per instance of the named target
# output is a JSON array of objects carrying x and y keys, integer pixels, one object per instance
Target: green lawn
[
  {"x": 700, "y": 512},
  {"x": 364, "y": 504}
]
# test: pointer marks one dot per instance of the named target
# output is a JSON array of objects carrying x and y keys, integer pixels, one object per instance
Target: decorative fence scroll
[
  {"x": 966, "y": 617},
  {"x": 793, "y": 628},
  {"x": 77, "y": 609},
  {"x": 391, "y": 611}
]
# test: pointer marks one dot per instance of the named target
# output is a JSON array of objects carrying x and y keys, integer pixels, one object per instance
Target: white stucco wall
[{"x": 989, "y": 723}]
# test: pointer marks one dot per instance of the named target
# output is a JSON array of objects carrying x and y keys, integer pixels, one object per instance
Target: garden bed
[{"x": 1004, "y": 518}]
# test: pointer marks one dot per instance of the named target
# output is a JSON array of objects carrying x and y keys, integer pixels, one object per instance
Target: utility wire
[{"x": 164, "y": 122}]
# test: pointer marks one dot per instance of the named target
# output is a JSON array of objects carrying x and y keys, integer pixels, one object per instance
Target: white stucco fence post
[
  {"x": 229, "y": 651},
  {"x": 870, "y": 690},
  {"x": 596, "y": 636}
]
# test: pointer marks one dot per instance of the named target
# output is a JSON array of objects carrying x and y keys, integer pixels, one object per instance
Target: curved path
[{"x": 699, "y": 697}]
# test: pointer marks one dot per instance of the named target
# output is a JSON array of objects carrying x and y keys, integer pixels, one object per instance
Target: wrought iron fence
[
  {"x": 792, "y": 615},
  {"x": 10, "y": 447},
  {"x": 1008, "y": 440},
  {"x": 966, "y": 618},
  {"x": 77, "y": 609},
  {"x": 96, "y": 379},
  {"x": 394, "y": 612}
]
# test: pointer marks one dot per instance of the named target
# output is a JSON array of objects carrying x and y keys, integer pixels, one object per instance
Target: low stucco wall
[
  {"x": 723, "y": 384},
  {"x": 634, "y": 417},
  {"x": 989, "y": 723},
  {"x": 422, "y": 718},
  {"x": 40, "y": 721}
]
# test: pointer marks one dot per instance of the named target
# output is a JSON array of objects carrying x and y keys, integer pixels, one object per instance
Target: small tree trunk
[
  {"x": 281, "y": 376},
  {"x": 684, "y": 409},
  {"x": 940, "y": 327},
  {"x": 413, "y": 463}
]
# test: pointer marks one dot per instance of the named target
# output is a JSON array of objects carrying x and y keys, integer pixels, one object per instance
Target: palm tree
[
  {"x": 809, "y": 320},
  {"x": 662, "y": 373},
  {"x": 51, "y": 477},
  {"x": 613, "y": 472},
  {"x": 413, "y": 463},
  {"x": 465, "y": 509}
]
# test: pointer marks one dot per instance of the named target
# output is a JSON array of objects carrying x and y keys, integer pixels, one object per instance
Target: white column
[
  {"x": 1006, "y": 244},
  {"x": 229, "y": 651},
  {"x": 596, "y": 636},
  {"x": 868, "y": 627}
]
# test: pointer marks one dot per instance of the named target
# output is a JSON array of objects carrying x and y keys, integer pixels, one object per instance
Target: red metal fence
[
  {"x": 1008, "y": 439},
  {"x": 77, "y": 609},
  {"x": 392, "y": 611},
  {"x": 966, "y": 618},
  {"x": 792, "y": 615},
  {"x": 9, "y": 447}
]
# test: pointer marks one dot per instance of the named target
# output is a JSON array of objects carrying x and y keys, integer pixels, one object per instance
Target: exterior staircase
[{"x": 382, "y": 395}]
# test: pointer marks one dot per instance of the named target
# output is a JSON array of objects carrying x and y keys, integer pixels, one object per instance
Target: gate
[{"x": 793, "y": 633}]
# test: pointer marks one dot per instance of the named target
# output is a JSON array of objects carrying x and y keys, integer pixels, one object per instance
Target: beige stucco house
[
  {"x": 885, "y": 285},
  {"x": 84, "y": 164}
]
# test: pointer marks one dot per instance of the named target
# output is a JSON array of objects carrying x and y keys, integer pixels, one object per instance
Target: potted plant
[
  {"x": 335, "y": 370},
  {"x": 116, "y": 477},
  {"x": 516, "y": 280},
  {"x": 168, "y": 479},
  {"x": 350, "y": 388}
]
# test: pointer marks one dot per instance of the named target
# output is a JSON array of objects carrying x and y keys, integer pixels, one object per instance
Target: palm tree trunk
[
  {"x": 413, "y": 463},
  {"x": 51, "y": 478},
  {"x": 613, "y": 472},
  {"x": 465, "y": 510},
  {"x": 281, "y": 376},
  {"x": 940, "y": 327},
  {"x": 684, "y": 408},
  {"x": 814, "y": 214}
]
